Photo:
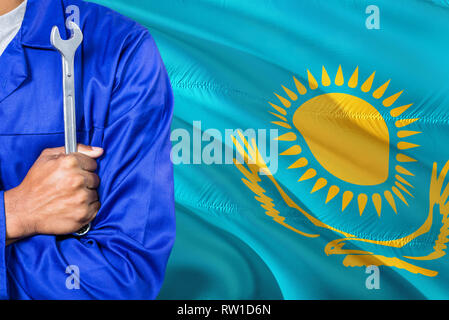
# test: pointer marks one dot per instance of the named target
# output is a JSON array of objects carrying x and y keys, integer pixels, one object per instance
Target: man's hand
[{"x": 58, "y": 195}]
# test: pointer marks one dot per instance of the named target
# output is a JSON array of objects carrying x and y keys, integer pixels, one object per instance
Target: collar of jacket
[{"x": 40, "y": 17}]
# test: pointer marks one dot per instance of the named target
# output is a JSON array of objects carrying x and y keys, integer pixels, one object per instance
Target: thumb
[{"x": 92, "y": 152}]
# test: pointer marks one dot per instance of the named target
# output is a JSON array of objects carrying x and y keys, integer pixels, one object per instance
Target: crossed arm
[{"x": 58, "y": 195}]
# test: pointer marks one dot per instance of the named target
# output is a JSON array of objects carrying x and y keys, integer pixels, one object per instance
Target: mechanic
[{"x": 121, "y": 178}]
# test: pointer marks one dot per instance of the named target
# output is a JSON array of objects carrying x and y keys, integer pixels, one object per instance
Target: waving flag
[{"x": 342, "y": 191}]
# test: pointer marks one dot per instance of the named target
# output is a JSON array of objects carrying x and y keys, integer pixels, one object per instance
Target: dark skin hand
[{"x": 58, "y": 195}]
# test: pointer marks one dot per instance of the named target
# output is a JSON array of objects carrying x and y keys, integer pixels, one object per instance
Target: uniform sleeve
[
  {"x": 125, "y": 254},
  {"x": 3, "y": 282}
]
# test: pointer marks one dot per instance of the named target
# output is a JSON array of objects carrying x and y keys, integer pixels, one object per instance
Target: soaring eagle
[{"x": 252, "y": 167}]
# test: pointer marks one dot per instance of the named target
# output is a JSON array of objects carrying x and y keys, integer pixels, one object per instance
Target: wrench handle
[
  {"x": 69, "y": 104},
  {"x": 70, "y": 115}
]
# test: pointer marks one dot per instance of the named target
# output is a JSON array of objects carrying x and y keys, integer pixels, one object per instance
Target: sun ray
[
  {"x": 281, "y": 124},
  {"x": 390, "y": 100},
  {"x": 309, "y": 174},
  {"x": 290, "y": 93},
  {"x": 401, "y": 179},
  {"x": 362, "y": 199},
  {"x": 319, "y": 184},
  {"x": 406, "y": 133},
  {"x": 404, "y": 122},
  {"x": 404, "y": 158},
  {"x": 279, "y": 116},
  {"x": 366, "y": 86},
  {"x": 347, "y": 197},
  {"x": 377, "y": 201},
  {"x": 390, "y": 199},
  {"x": 333, "y": 191},
  {"x": 325, "y": 80},
  {"x": 292, "y": 151},
  {"x": 379, "y": 92},
  {"x": 402, "y": 170},
  {"x": 396, "y": 112},
  {"x": 339, "y": 79},
  {"x": 301, "y": 162},
  {"x": 300, "y": 87},
  {"x": 399, "y": 194},
  {"x": 403, "y": 145},
  {"x": 312, "y": 82},
  {"x": 289, "y": 136},
  {"x": 278, "y": 109},
  {"x": 284, "y": 101},
  {"x": 400, "y": 186},
  {"x": 352, "y": 83}
]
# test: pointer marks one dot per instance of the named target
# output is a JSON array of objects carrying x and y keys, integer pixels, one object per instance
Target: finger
[
  {"x": 94, "y": 207},
  {"x": 92, "y": 152},
  {"x": 86, "y": 163},
  {"x": 92, "y": 180},
  {"x": 53, "y": 151},
  {"x": 92, "y": 197}
]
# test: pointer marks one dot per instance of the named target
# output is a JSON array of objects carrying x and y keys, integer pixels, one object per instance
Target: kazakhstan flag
[{"x": 354, "y": 96}]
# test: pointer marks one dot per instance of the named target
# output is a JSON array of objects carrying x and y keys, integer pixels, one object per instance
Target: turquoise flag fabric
[{"x": 339, "y": 188}]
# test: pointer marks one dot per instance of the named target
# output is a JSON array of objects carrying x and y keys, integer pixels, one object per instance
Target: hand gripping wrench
[{"x": 67, "y": 49}]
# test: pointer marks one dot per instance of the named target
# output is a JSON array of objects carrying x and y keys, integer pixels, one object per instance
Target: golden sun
[{"x": 349, "y": 138}]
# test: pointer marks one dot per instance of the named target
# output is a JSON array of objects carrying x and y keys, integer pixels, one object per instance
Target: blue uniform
[{"x": 124, "y": 105}]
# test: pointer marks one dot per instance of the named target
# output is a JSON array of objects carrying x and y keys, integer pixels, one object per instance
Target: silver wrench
[{"x": 67, "y": 49}]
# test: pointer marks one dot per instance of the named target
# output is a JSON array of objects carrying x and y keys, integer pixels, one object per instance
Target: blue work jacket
[{"x": 124, "y": 105}]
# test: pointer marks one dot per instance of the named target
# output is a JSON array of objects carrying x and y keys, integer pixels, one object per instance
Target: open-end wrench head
[{"x": 67, "y": 47}]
